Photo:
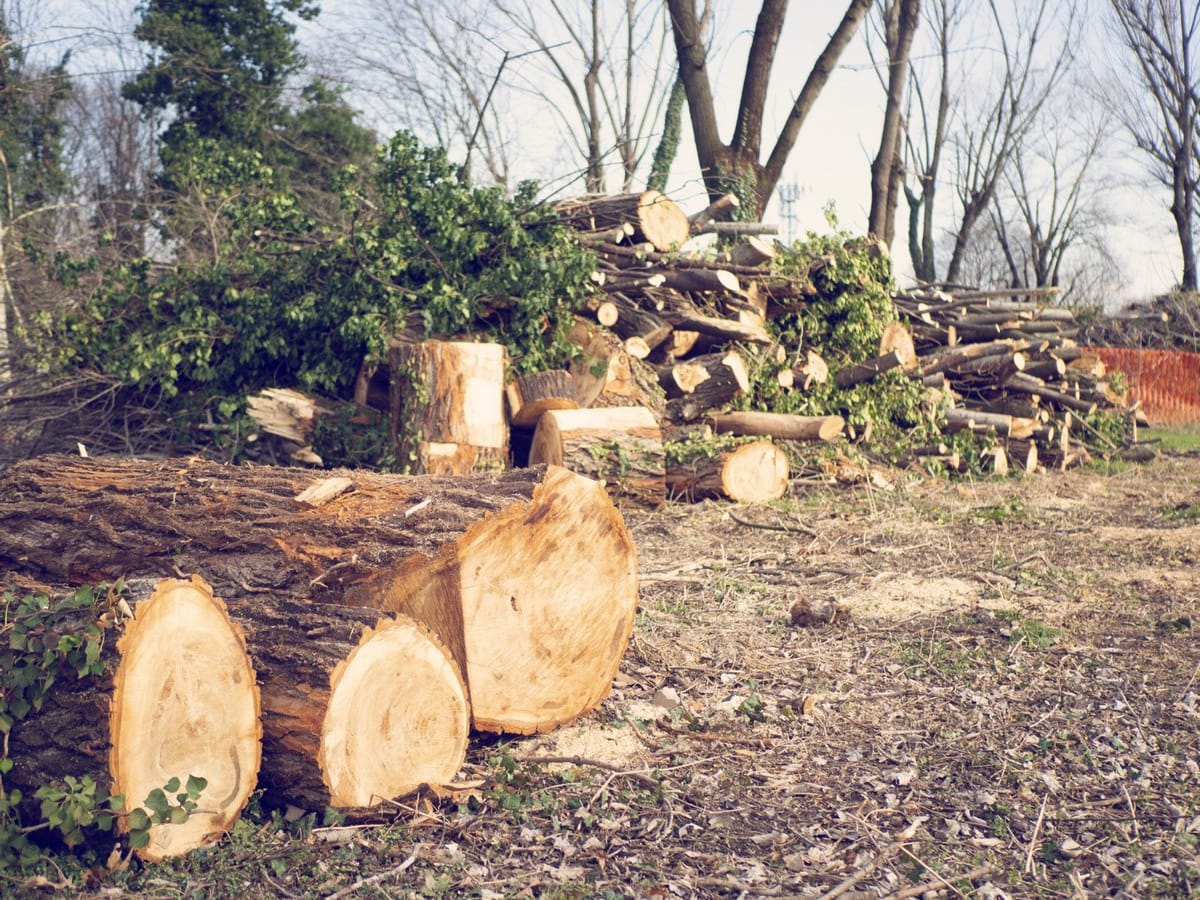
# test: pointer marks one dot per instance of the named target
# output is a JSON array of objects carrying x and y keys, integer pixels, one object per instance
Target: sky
[{"x": 829, "y": 165}]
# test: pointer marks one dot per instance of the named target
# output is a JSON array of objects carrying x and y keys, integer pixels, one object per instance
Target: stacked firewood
[{"x": 1012, "y": 368}]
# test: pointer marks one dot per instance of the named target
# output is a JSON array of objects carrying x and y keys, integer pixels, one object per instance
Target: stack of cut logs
[
  {"x": 668, "y": 342},
  {"x": 331, "y": 638},
  {"x": 1012, "y": 368}
]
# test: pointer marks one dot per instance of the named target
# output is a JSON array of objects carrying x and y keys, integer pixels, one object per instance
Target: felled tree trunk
[
  {"x": 528, "y": 577},
  {"x": 176, "y": 697},
  {"x": 751, "y": 473},
  {"x": 446, "y": 403},
  {"x": 621, "y": 446}
]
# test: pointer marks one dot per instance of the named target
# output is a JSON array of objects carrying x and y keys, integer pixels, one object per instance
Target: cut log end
[
  {"x": 756, "y": 473},
  {"x": 185, "y": 703},
  {"x": 549, "y": 594},
  {"x": 380, "y": 742}
]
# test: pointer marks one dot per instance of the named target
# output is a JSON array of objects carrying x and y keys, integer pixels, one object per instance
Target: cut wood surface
[
  {"x": 538, "y": 555},
  {"x": 147, "y": 712},
  {"x": 621, "y": 446},
  {"x": 655, "y": 218},
  {"x": 446, "y": 406},
  {"x": 780, "y": 425},
  {"x": 606, "y": 375},
  {"x": 751, "y": 473},
  {"x": 357, "y": 707},
  {"x": 185, "y": 703},
  {"x": 531, "y": 395}
]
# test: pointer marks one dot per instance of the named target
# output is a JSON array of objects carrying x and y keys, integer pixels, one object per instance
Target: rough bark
[
  {"x": 465, "y": 556},
  {"x": 531, "y": 395},
  {"x": 780, "y": 425}
]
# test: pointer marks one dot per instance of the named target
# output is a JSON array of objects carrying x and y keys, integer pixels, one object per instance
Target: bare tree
[
  {"x": 986, "y": 104},
  {"x": 925, "y": 129},
  {"x": 900, "y": 21},
  {"x": 1050, "y": 198},
  {"x": 479, "y": 78},
  {"x": 737, "y": 165},
  {"x": 1159, "y": 108}
]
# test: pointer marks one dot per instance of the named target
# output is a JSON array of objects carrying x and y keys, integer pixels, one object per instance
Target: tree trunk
[
  {"x": 751, "y": 473},
  {"x": 176, "y": 698},
  {"x": 528, "y": 577}
]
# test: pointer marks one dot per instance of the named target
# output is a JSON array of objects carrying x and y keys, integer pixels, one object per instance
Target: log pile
[
  {"x": 1011, "y": 367},
  {"x": 361, "y": 623}
]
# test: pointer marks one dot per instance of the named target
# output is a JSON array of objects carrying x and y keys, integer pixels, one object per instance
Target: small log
[
  {"x": 811, "y": 372},
  {"x": 447, "y": 406},
  {"x": 780, "y": 425},
  {"x": 751, "y": 473},
  {"x": 633, "y": 321},
  {"x": 655, "y": 218},
  {"x": 705, "y": 383},
  {"x": 714, "y": 209},
  {"x": 865, "y": 371},
  {"x": 701, "y": 280},
  {"x": 619, "y": 446},
  {"x": 636, "y": 347},
  {"x": 959, "y": 419},
  {"x": 739, "y": 229},
  {"x": 531, "y": 395},
  {"x": 607, "y": 313}
]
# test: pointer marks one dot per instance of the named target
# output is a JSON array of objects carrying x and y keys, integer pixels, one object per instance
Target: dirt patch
[{"x": 1010, "y": 709}]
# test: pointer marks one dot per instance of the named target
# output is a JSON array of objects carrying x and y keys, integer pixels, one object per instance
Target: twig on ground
[
  {"x": 938, "y": 881},
  {"x": 1037, "y": 828},
  {"x": 376, "y": 879}
]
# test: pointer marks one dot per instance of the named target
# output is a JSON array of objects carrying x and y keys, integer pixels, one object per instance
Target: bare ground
[{"x": 1004, "y": 704}]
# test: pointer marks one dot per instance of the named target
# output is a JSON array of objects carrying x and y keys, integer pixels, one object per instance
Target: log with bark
[
  {"x": 528, "y": 577},
  {"x": 749, "y": 473},
  {"x": 654, "y": 217},
  {"x": 175, "y": 698},
  {"x": 531, "y": 395},
  {"x": 620, "y": 446},
  {"x": 780, "y": 425}
]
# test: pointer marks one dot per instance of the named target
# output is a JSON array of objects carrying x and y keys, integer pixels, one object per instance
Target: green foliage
[
  {"x": 844, "y": 322},
  {"x": 476, "y": 262},
  {"x": 219, "y": 69},
  {"x": 41, "y": 642},
  {"x": 279, "y": 301}
]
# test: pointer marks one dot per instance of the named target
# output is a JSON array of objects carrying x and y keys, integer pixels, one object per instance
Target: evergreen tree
[{"x": 218, "y": 71}]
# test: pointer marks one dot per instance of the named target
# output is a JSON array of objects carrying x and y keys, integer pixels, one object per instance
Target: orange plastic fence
[{"x": 1167, "y": 382}]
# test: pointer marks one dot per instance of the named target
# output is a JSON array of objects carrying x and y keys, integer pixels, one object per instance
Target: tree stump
[
  {"x": 528, "y": 576},
  {"x": 531, "y": 395},
  {"x": 620, "y": 446},
  {"x": 446, "y": 403},
  {"x": 751, "y": 473}
]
